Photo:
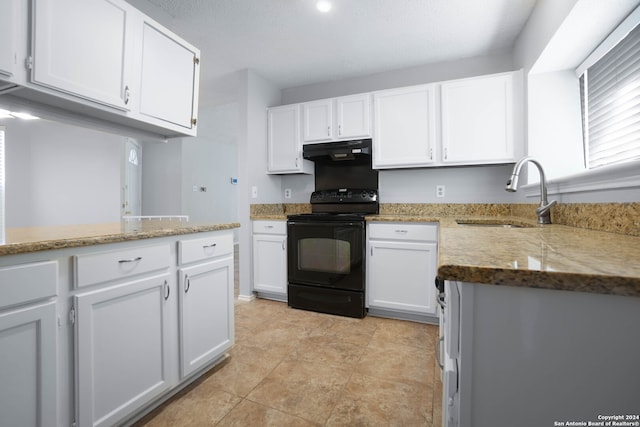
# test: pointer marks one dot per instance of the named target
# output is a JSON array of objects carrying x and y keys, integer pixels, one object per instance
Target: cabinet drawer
[
  {"x": 22, "y": 284},
  {"x": 270, "y": 227},
  {"x": 104, "y": 266},
  {"x": 205, "y": 247},
  {"x": 404, "y": 231}
]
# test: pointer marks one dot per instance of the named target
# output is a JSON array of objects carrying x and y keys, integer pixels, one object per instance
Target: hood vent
[{"x": 356, "y": 151}]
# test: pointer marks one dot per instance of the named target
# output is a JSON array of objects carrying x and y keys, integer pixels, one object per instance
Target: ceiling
[{"x": 291, "y": 43}]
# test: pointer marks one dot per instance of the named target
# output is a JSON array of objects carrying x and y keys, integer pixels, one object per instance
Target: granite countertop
[
  {"x": 554, "y": 256},
  {"x": 33, "y": 239},
  {"x": 541, "y": 256}
]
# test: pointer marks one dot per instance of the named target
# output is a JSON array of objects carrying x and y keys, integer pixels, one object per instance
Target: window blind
[{"x": 610, "y": 90}]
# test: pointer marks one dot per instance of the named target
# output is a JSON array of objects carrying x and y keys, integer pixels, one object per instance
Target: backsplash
[
  {"x": 621, "y": 218},
  {"x": 445, "y": 209}
]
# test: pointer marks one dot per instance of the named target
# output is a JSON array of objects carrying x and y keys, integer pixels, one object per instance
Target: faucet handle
[{"x": 545, "y": 208}]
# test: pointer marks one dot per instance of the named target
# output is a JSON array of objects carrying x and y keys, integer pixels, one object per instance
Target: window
[{"x": 610, "y": 97}]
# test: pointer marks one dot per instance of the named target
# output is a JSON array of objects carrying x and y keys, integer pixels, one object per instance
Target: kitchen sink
[{"x": 489, "y": 223}]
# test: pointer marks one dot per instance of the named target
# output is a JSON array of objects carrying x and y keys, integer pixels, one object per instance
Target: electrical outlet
[
  {"x": 254, "y": 192},
  {"x": 439, "y": 190},
  {"x": 287, "y": 193}
]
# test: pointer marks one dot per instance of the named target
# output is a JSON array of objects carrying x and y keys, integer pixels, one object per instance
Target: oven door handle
[{"x": 314, "y": 223}]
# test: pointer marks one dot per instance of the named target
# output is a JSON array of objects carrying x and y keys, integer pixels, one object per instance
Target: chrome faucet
[{"x": 544, "y": 211}]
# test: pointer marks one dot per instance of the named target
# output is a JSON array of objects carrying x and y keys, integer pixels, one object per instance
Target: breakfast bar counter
[{"x": 33, "y": 239}]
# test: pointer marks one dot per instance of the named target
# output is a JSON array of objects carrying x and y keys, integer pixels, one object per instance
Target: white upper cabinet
[
  {"x": 82, "y": 47},
  {"x": 354, "y": 116},
  {"x": 108, "y": 60},
  {"x": 169, "y": 78},
  {"x": 318, "y": 120},
  {"x": 478, "y": 120},
  {"x": 8, "y": 10},
  {"x": 347, "y": 117},
  {"x": 404, "y": 127},
  {"x": 284, "y": 141}
]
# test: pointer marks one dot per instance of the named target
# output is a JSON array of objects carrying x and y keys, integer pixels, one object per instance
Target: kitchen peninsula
[{"x": 101, "y": 322}]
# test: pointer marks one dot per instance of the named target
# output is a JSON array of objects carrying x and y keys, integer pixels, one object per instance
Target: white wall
[
  {"x": 171, "y": 170},
  {"x": 555, "y": 123},
  {"x": 557, "y": 37},
  {"x": 59, "y": 174},
  {"x": 255, "y": 95},
  {"x": 210, "y": 160},
  {"x": 162, "y": 178},
  {"x": 429, "y": 73},
  {"x": 477, "y": 184}
]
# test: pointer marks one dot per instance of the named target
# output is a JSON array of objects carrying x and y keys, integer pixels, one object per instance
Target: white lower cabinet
[
  {"x": 206, "y": 313},
  {"x": 270, "y": 259},
  {"x": 122, "y": 348},
  {"x": 28, "y": 366},
  {"x": 401, "y": 268},
  {"x": 28, "y": 344}
]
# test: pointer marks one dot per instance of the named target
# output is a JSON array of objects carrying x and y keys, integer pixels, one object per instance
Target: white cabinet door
[
  {"x": 404, "y": 127},
  {"x": 122, "y": 348},
  {"x": 347, "y": 117},
  {"x": 206, "y": 313},
  {"x": 400, "y": 276},
  {"x": 477, "y": 120},
  {"x": 284, "y": 143},
  {"x": 318, "y": 120},
  {"x": 270, "y": 263},
  {"x": 82, "y": 47},
  {"x": 169, "y": 77},
  {"x": 8, "y": 15},
  {"x": 353, "y": 116},
  {"x": 28, "y": 363}
]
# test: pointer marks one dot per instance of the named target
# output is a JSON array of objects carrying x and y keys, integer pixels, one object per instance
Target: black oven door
[{"x": 326, "y": 253}]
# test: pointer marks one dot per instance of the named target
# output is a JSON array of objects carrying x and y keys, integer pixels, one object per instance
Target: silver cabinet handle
[
  {"x": 168, "y": 290},
  {"x": 187, "y": 283},
  {"x": 430, "y": 153},
  {"x": 446, "y": 152},
  {"x": 283, "y": 247},
  {"x": 340, "y": 130},
  {"x": 268, "y": 226},
  {"x": 136, "y": 259},
  {"x": 126, "y": 94},
  {"x": 438, "y": 344},
  {"x": 328, "y": 130},
  {"x": 402, "y": 231},
  {"x": 213, "y": 245}
]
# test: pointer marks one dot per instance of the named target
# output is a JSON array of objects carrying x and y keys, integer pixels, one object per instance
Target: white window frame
[{"x": 619, "y": 176}]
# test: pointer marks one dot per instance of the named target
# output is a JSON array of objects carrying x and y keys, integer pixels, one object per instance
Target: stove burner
[{"x": 344, "y": 200}]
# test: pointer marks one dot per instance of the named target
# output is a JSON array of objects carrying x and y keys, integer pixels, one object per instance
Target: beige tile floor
[{"x": 297, "y": 368}]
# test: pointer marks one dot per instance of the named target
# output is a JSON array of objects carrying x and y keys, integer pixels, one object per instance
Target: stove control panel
[{"x": 344, "y": 196}]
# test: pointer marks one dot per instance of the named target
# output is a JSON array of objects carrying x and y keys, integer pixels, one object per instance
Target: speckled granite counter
[
  {"x": 33, "y": 239},
  {"x": 541, "y": 256},
  {"x": 551, "y": 256}
]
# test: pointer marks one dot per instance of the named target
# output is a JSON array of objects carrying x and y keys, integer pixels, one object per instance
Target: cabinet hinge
[
  {"x": 196, "y": 60},
  {"x": 194, "y": 122},
  {"x": 29, "y": 62},
  {"x": 72, "y": 315}
]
